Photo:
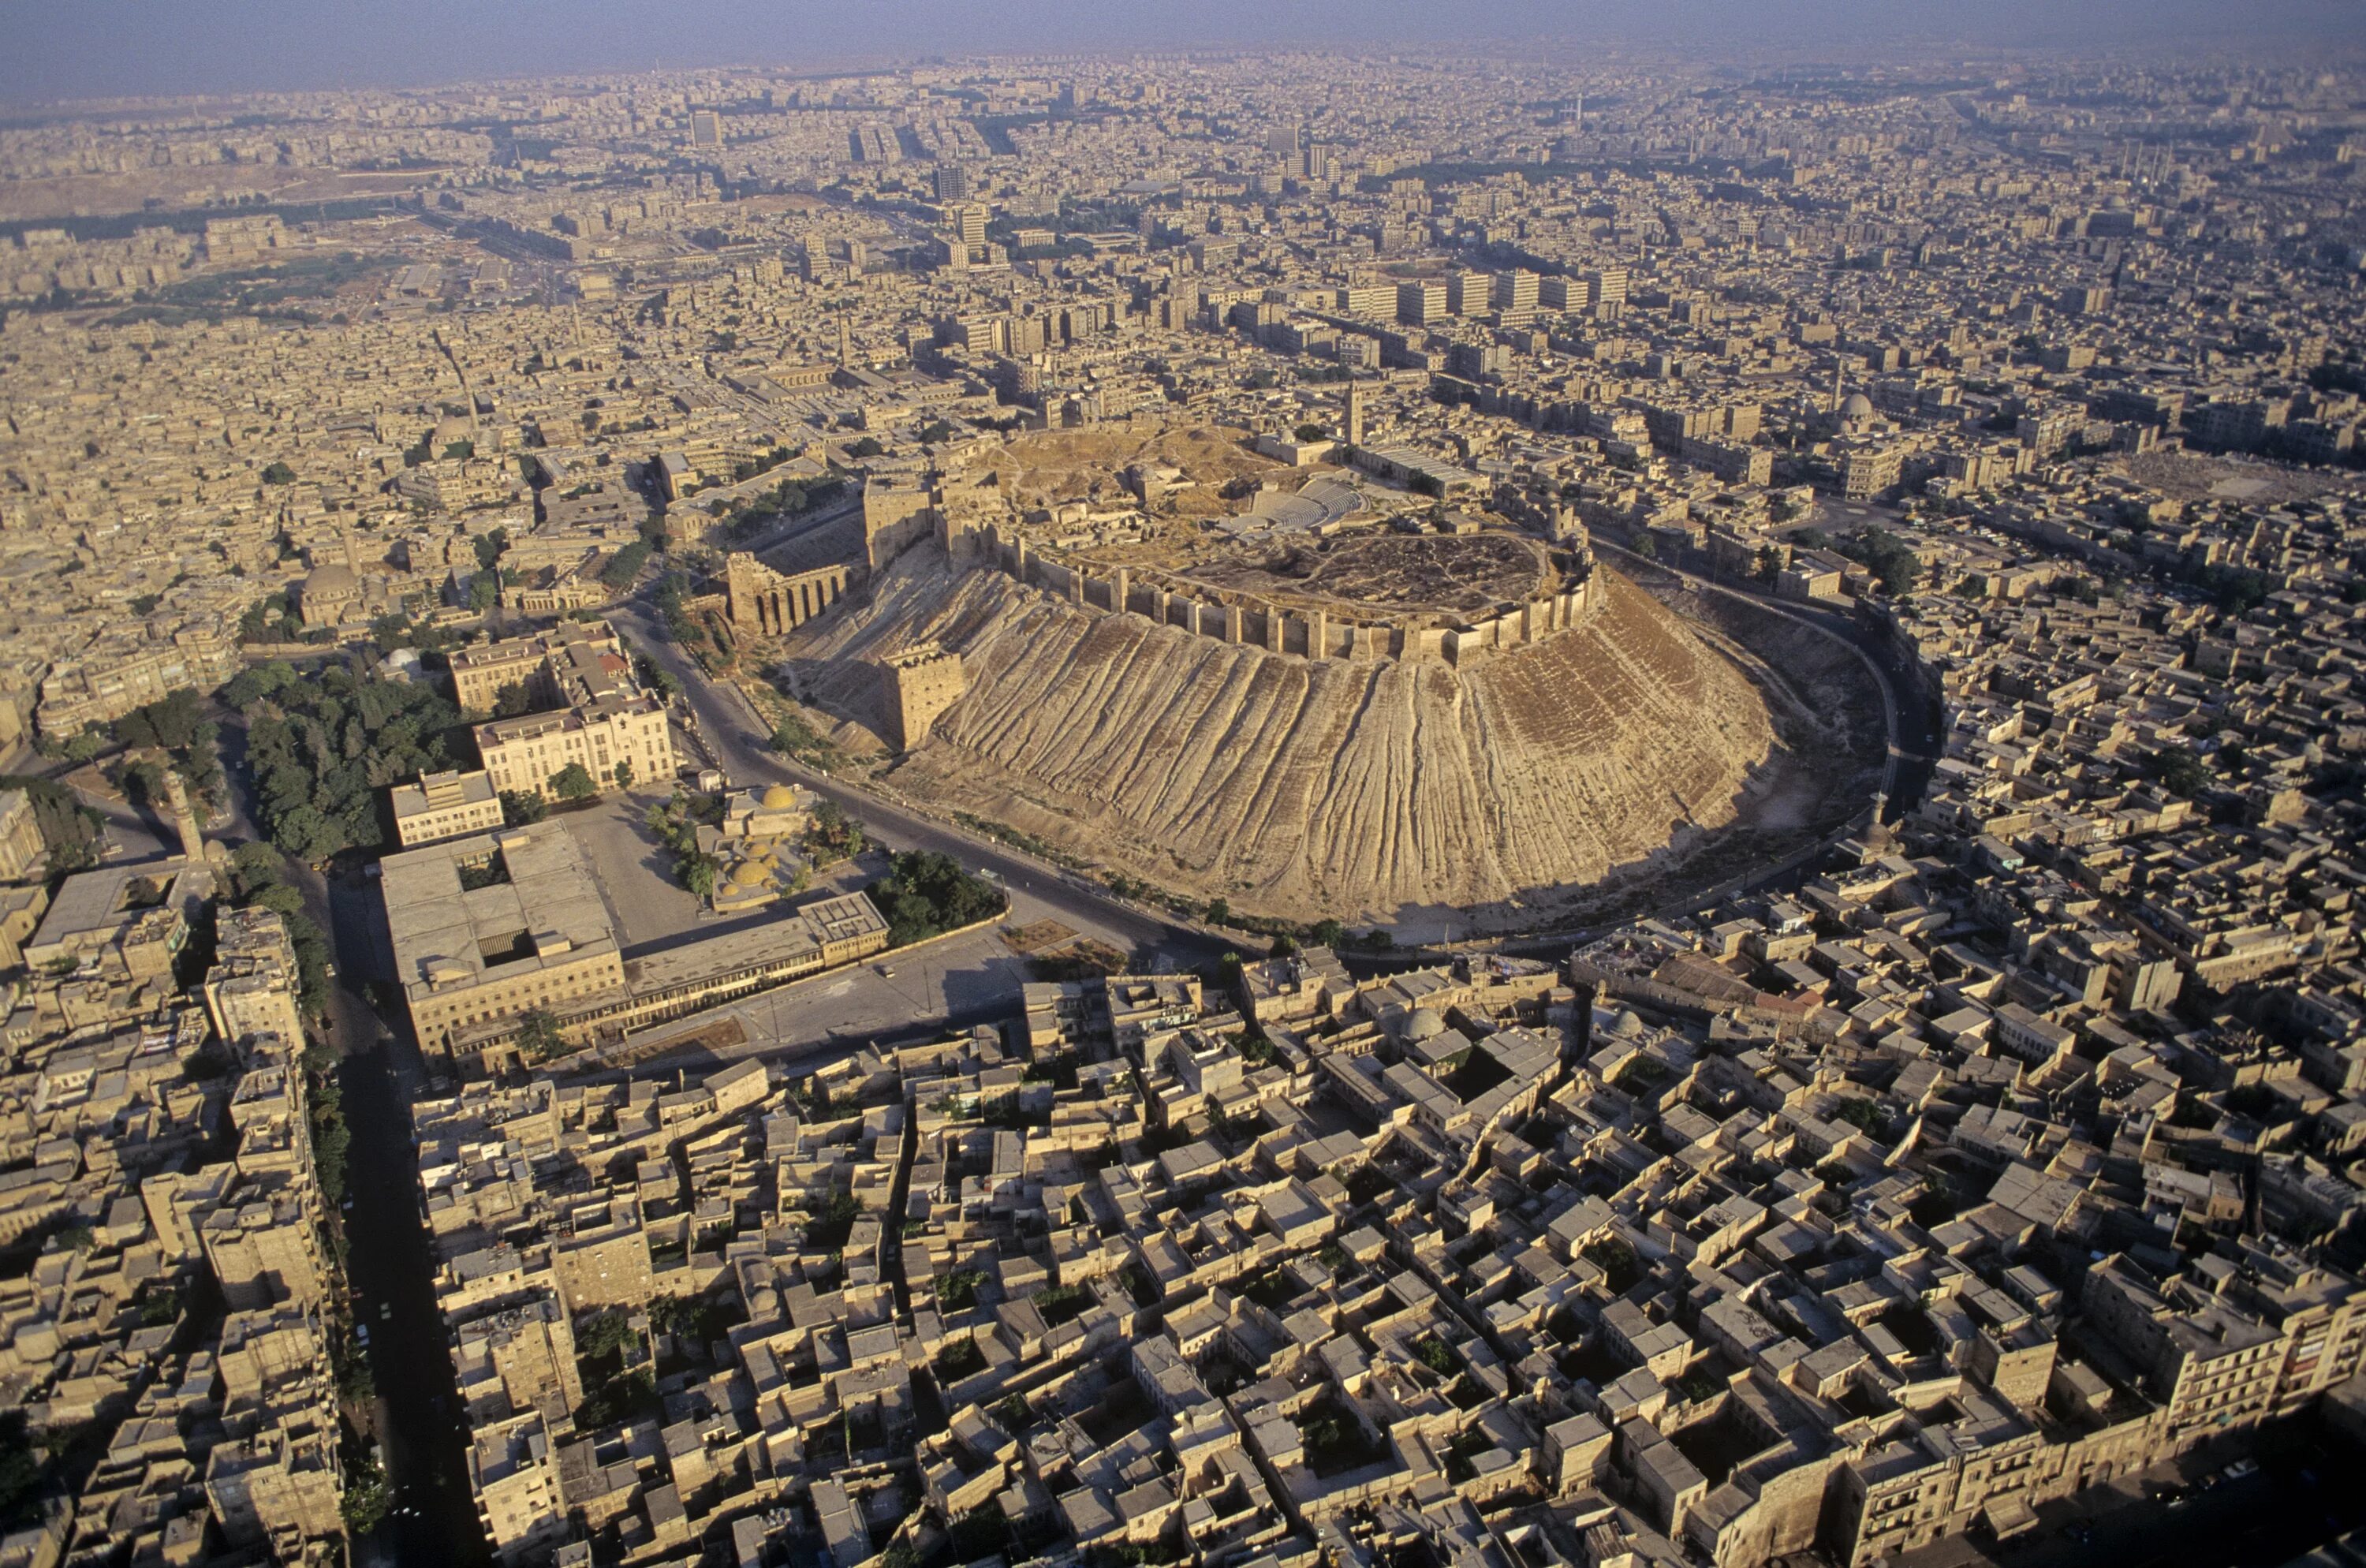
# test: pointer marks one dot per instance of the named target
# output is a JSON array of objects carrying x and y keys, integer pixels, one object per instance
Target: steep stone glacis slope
[{"x": 1298, "y": 789}]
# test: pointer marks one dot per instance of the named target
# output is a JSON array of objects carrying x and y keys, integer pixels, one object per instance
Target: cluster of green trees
[
  {"x": 176, "y": 725},
  {"x": 485, "y": 587},
  {"x": 331, "y": 1139},
  {"x": 656, "y": 677},
  {"x": 1288, "y": 936},
  {"x": 626, "y": 565},
  {"x": 521, "y": 808},
  {"x": 832, "y": 1222},
  {"x": 926, "y": 892},
  {"x": 71, "y": 831},
  {"x": 356, "y": 1383},
  {"x": 538, "y": 1035},
  {"x": 1335, "y": 1440},
  {"x": 833, "y": 835},
  {"x": 259, "y": 877},
  {"x": 675, "y": 822},
  {"x": 1058, "y": 1303},
  {"x": 616, "y": 1392},
  {"x": 367, "y": 1497},
  {"x": 958, "y": 1359},
  {"x": 574, "y": 782},
  {"x": 273, "y": 618},
  {"x": 957, "y": 1291},
  {"x": 393, "y": 630},
  {"x": 2236, "y": 590},
  {"x": 323, "y": 748},
  {"x": 670, "y": 589},
  {"x": 2180, "y": 769},
  {"x": 784, "y": 500},
  {"x": 1890, "y": 559},
  {"x": 795, "y": 738},
  {"x": 694, "y": 1320}
]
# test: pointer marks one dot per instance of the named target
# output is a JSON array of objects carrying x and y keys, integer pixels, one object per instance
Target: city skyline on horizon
[{"x": 274, "y": 46}]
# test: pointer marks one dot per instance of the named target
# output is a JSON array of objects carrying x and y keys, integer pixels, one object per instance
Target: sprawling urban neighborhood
[{"x": 1223, "y": 809}]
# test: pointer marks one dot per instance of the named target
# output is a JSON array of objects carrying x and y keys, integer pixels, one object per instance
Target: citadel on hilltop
[{"x": 1208, "y": 812}]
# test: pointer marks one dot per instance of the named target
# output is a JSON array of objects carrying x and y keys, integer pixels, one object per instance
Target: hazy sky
[{"x": 54, "y": 49}]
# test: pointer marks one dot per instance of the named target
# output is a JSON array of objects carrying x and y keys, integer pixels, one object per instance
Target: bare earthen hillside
[{"x": 1298, "y": 789}]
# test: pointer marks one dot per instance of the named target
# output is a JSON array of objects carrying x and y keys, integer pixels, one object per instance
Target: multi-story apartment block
[
  {"x": 616, "y": 742},
  {"x": 593, "y": 714},
  {"x": 448, "y": 805},
  {"x": 537, "y": 664},
  {"x": 121, "y": 673}
]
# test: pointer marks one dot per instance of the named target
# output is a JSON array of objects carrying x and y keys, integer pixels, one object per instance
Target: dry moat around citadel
[{"x": 1308, "y": 692}]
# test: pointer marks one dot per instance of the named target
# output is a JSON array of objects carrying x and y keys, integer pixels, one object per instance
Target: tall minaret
[
  {"x": 845, "y": 346},
  {"x": 1355, "y": 413},
  {"x": 185, "y": 816}
]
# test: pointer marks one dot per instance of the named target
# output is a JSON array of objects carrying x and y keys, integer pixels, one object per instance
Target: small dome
[
  {"x": 1627, "y": 1023},
  {"x": 329, "y": 580},
  {"x": 749, "y": 874},
  {"x": 779, "y": 797},
  {"x": 1856, "y": 405},
  {"x": 1424, "y": 1024}
]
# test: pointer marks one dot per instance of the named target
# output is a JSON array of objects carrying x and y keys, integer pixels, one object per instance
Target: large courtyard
[{"x": 635, "y": 871}]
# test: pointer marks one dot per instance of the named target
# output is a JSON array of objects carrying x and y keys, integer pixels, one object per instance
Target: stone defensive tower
[{"x": 922, "y": 681}]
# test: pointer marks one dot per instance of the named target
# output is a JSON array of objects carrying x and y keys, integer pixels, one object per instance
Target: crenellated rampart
[{"x": 1238, "y": 616}]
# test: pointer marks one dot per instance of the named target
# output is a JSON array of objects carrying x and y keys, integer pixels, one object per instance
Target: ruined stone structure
[
  {"x": 1249, "y": 619},
  {"x": 760, "y": 600},
  {"x": 922, "y": 681}
]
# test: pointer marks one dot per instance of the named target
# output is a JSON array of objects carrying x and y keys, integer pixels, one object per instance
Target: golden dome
[
  {"x": 779, "y": 797},
  {"x": 749, "y": 874}
]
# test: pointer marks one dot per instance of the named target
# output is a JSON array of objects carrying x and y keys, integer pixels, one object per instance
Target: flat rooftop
[
  {"x": 91, "y": 905},
  {"x": 440, "y": 792},
  {"x": 545, "y": 911}
]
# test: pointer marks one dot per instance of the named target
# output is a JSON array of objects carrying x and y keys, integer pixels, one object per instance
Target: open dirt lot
[{"x": 2191, "y": 476}]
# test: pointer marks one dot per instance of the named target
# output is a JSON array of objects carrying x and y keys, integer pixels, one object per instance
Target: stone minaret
[{"x": 185, "y": 816}]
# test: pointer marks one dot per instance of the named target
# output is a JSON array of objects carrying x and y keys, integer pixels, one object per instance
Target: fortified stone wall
[
  {"x": 1234, "y": 617},
  {"x": 770, "y": 603},
  {"x": 898, "y": 512}
]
